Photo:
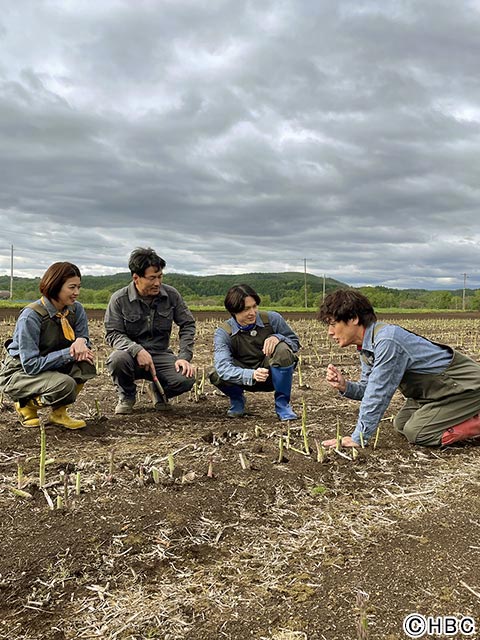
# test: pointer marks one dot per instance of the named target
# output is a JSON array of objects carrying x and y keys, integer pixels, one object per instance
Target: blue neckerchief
[{"x": 246, "y": 327}]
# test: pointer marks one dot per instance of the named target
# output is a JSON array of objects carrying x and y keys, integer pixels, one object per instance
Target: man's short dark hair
[
  {"x": 141, "y": 258},
  {"x": 235, "y": 298},
  {"x": 55, "y": 277},
  {"x": 344, "y": 305}
]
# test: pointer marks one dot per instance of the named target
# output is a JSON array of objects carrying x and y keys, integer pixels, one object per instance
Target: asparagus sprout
[{"x": 43, "y": 451}]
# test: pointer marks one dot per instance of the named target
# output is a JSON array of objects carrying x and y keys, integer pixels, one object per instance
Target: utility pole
[
  {"x": 305, "y": 281},
  {"x": 323, "y": 291},
  {"x": 11, "y": 272},
  {"x": 464, "y": 287}
]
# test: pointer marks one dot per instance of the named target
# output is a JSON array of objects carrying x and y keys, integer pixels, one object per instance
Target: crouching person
[
  {"x": 254, "y": 351},
  {"x": 138, "y": 324},
  {"x": 441, "y": 386},
  {"x": 49, "y": 357}
]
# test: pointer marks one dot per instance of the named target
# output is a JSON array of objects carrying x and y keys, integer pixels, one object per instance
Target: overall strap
[
  {"x": 39, "y": 308},
  {"x": 379, "y": 325},
  {"x": 227, "y": 327},
  {"x": 45, "y": 316}
]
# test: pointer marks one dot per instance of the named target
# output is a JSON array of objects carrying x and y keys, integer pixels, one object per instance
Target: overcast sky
[{"x": 237, "y": 136}]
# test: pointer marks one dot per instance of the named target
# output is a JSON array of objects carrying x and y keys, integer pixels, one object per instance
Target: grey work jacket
[{"x": 131, "y": 324}]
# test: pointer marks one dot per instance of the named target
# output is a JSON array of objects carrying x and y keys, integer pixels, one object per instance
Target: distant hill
[
  {"x": 285, "y": 289},
  {"x": 273, "y": 287}
]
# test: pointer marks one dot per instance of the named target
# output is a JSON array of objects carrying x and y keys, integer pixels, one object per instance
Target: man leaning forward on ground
[
  {"x": 138, "y": 324},
  {"x": 441, "y": 386}
]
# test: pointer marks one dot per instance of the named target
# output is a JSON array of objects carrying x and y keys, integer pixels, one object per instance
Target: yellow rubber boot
[
  {"x": 61, "y": 418},
  {"x": 28, "y": 415},
  {"x": 79, "y": 387}
]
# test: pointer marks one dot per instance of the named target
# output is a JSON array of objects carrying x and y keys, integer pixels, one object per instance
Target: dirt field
[{"x": 297, "y": 549}]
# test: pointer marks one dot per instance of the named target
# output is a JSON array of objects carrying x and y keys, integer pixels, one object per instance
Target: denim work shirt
[
  {"x": 26, "y": 339},
  {"x": 389, "y": 355},
  {"x": 223, "y": 358},
  {"x": 132, "y": 324}
]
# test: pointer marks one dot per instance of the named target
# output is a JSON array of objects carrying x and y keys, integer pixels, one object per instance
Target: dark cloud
[{"x": 243, "y": 136}]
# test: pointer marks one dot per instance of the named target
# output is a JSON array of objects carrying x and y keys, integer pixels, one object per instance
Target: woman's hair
[
  {"x": 55, "y": 277},
  {"x": 142, "y": 258},
  {"x": 235, "y": 299},
  {"x": 344, "y": 305}
]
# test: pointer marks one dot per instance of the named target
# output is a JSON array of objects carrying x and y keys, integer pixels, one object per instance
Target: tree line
[{"x": 276, "y": 289}]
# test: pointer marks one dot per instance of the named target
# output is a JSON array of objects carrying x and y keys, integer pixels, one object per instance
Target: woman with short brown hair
[{"x": 49, "y": 357}]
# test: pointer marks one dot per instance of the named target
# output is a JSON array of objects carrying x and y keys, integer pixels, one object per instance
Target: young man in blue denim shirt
[
  {"x": 254, "y": 351},
  {"x": 441, "y": 386}
]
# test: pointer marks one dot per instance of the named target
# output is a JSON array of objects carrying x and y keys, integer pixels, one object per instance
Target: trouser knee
[
  {"x": 410, "y": 432},
  {"x": 398, "y": 424},
  {"x": 214, "y": 378},
  {"x": 282, "y": 356},
  {"x": 178, "y": 386},
  {"x": 120, "y": 362},
  {"x": 83, "y": 371},
  {"x": 61, "y": 392}
]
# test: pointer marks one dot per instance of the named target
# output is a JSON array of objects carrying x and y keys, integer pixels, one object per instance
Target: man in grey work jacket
[
  {"x": 138, "y": 324},
  {"x": 441, "y": 386}
]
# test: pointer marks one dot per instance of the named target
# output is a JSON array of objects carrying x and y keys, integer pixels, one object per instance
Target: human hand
[
  {"x": 335, "y": 378},
  {"x": 81, "y": 352},
  {"x": 185, "y": 367},
  {"x": 260, "y": 374},
  {"x": 269, "y": 345},
  {"x": 145, "y": 361},
  {"x": 346, "y": 442}
]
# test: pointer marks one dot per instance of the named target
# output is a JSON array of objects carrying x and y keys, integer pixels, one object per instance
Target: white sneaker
[{"x": 124, "y": 406}]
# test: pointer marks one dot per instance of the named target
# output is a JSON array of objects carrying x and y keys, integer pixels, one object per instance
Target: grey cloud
[{"x": 232, "y": 135}]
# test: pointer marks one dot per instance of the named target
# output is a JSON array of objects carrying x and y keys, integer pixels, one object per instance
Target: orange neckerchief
[{"x": 68, "y": 332}]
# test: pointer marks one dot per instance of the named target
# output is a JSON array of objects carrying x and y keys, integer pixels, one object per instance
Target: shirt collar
[
  {"x": 51, "y": 308},
  {"x": 367, "y": 344},
  {"x": 258, "y": 323}
]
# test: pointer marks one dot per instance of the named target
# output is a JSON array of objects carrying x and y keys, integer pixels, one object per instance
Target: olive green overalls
[
  {"x": 247, "y": 353},
  {"x": 55, "y": 387}
]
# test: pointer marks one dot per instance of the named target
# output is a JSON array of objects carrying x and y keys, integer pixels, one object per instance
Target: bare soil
[{"x": 296, "y": 549}]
